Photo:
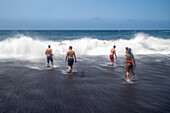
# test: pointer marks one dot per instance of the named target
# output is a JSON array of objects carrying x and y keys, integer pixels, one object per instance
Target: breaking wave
[{"x": 27, "y": 47}]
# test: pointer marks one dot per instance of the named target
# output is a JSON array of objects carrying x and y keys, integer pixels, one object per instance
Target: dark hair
[
  {"x": 129, "y": 51},
  {"x": 70, "y": 47},
  {"x": 114, "y": 46},
  {"x": 126, "y": 48},
  {"x": 49, "y": 46}
]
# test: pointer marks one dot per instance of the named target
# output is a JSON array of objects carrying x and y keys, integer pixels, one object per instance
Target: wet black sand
[{"x": 93, "y": 87}]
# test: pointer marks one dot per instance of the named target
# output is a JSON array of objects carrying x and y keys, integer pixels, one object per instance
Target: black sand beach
[{"x": 93, "y": 87}]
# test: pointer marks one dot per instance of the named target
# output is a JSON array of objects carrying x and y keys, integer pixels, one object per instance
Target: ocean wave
[{"x": 27, "y": 47}]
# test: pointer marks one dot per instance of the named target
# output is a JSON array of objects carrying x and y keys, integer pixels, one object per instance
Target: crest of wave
[{"x": 27, "y": 48}]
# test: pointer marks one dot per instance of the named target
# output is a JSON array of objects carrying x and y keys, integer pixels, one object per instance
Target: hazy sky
[{"x": 84, "y": 14}]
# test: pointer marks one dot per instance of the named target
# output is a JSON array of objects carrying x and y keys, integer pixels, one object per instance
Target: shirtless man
[
  {"x": 113, "y": 52},
  {"x": 71, "y": 56},
  {"x": 49, "y": 55}
]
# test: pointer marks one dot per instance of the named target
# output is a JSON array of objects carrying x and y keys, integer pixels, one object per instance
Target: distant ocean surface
[{"x": 27, "y": 86}]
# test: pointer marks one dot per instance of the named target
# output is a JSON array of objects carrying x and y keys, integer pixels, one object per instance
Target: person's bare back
[
  {"x": 48, "y": 52},
  {"x": 70, "y": 54},
  {"x": 49, "y": 55},
  {"x": 113, "y": 51}
]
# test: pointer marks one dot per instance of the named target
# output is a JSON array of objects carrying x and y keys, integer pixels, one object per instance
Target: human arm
[
  {"x": 124, "y": 63},
  {"x": 45, "y": 52},
  {"x": 134, "y": 60},
  {"x": 66, "y": 56},
  {"x": 75, "y": 57},
  {"x": 51, "y": 52},
  {"x": 115, "y": 54}
]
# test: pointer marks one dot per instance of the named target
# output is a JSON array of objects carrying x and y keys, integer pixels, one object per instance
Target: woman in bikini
[{"x": 130, "y": 64}]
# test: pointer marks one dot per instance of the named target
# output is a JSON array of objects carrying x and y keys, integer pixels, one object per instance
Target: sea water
[
  {"x": 27, "y": 86},
  {"x": 32, "y": 44}
]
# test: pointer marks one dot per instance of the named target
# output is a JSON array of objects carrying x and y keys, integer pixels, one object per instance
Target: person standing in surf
[
  {"x": 113, "y": 52},
  {"x": 49, "y": 55},
  {"x": 71, "y": 56},
  {"x": 130, "y": 64},
  {"x": 126, "y": 52}
]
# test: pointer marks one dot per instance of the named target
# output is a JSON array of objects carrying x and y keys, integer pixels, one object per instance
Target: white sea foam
[{"x": 28, "y": 48}]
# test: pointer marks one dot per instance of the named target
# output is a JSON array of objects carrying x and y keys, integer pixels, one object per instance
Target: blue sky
[{"x": 84, "y": 14}]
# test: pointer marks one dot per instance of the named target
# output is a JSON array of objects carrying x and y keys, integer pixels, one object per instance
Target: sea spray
[{"x": 28, "y": 48}]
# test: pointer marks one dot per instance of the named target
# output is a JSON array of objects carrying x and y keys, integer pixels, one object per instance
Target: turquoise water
[{"x": 73, "y": 34}]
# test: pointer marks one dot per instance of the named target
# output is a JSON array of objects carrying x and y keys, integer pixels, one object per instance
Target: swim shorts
[
  {"x": 111, "y": 57},
  {"x": 49, "y": 58},
  {"x": 70, "y": 61}
]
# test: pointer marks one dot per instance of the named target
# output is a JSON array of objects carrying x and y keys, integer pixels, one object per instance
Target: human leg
[{"x": 127, "y": 70}]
